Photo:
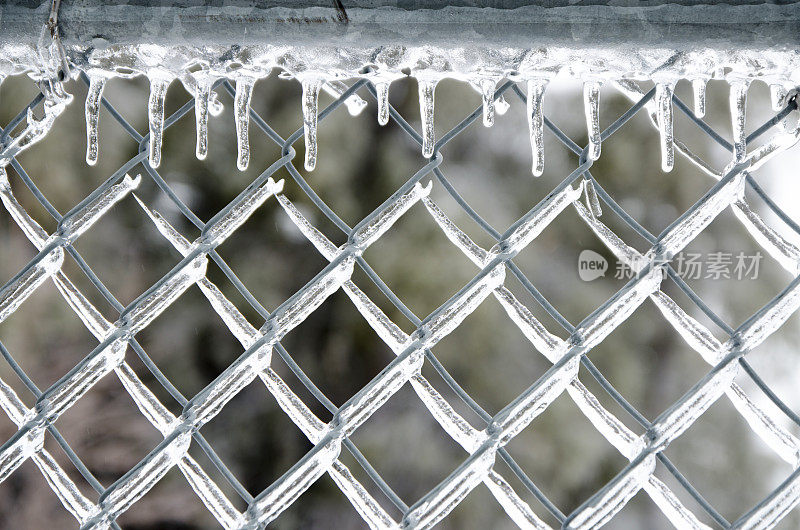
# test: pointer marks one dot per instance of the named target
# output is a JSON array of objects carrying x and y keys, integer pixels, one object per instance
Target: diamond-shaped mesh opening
[
  {"x": 441, "y": 270},
  {"x": 569, "y": 241},
  {"x": 108, "y": 452},
  {"x": 58, "y": 346},
  {"x": 771, "y": 362},
  {"x": 264, "y": 454},
  {"x": 647, "y": 361},
  {"x": 248, "y": 255},
  {"x": 492, "y": 389},
  {"x": 125, "y": 268},
  {"x": 192, "y": 358},
  {"x": 28, "y": 481},
  {"x": 479, "y": 508},
  {"x": 153, "y": 509},
  {"x": 407, "y": 447},
  {"x": 720, "y": 261},
  {"x": 542, "y": 451},
  {"x": 338, "y": 354},
  {"x": 703, "y": 446}
]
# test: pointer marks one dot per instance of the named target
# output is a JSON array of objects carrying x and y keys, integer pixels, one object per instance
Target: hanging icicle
[
  {"x": 92, "y": 109},
  {"x": 699, "y": 92},
  {"x": 155, "y": 115},
  {"x": 738, "y": 102},
  {"x": 202, "y": 96},
  {"x": 311, "y": 89},
  {"x": 488, "y": 87},
  {"x": 536, "y": 90},
  {"x": 241, "y": 109},
  {"x": 382, "y": 91},
  {"x": 591, "y": 103},
  {"x": 664, "y": 118},
  {"x": 426, "y": 90}
]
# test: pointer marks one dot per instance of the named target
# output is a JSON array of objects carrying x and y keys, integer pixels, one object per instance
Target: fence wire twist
[{"x": 483, "y": 444}]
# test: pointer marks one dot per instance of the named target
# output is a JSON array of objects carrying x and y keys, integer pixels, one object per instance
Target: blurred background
[{"x": 360, "y": 164}]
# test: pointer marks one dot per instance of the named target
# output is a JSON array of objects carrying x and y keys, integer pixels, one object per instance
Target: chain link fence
[{"x": 486, "y": 458}]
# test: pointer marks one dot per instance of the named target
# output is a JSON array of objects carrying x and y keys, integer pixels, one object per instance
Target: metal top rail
[{"x": 656, "y": 23}]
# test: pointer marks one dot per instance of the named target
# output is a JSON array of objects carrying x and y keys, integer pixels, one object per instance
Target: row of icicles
[{"x": 206, "y": 101}]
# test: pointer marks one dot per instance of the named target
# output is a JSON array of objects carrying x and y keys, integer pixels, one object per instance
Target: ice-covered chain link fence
[{"x": 482, "y": 444}]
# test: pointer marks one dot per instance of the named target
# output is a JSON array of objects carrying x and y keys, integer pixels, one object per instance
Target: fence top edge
[{"x": 679, "y": 24}]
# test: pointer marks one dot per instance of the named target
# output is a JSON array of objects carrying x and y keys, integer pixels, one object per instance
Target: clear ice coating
[
  {"x": 202, "y": 95},
  {"x": 738, "y": 100},
  {"x": 92, "y": 108},
  {"x": 310, "y": 107},
  {"x": 591, "y": 103},
  {"x": 56, "y": 100},
  {"x": 241, "y": 104},
  {"x": 487, "y": 92},
  {"x": 703, "y": 342},
  {"x": 383, "y": 219},
  {"x": 536, "y": 124},
  {"x": 354, "y": 103},
  {"x": 426, "y": 90},
  {"x": 21, "y": 286},
  {"x": 532, "y": 224},
  {"x": 592, "y": 200},
  {"x": 173, "y": 451},
  {"x": 269, "y": 504},
  {"x": 441, "y": 410},
  {"x": 382, "y": 92},
  {"x": 600, "y": 508},
  {"x": 82, "y": 219},
  {"x": 664, "y": 119},
  {"x": 155, "y": 116},
  {"x": 699, "y": 93},
  {"x": 449, "y": 493},
  {"x": 695, "y": 221},
  {"x": 476, "y": 254}
]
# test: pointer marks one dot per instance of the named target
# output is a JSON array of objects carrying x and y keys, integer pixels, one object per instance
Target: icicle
[
  {"x": 92, "y": 108},
  {"x": 487, "y": 91},
  {"x": 426, "y": 90},
  {"x": 664, "y": 118},
  {"x": 310, "y": 97},
  {"x": 738, "y": 102},
  {"x": 155, "y": 114},
  {"x": 202, "y": 95},
  {"x": 591, "y": 102},
  {"x": 536, "y": 124},
  {"x": 191, "y": 81},
  {"x": 777, "y": 94},
  {"x": 382, "y": 90},
  {"x": 699, "y": 91},
  {"x": 241, "y": 107}
]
